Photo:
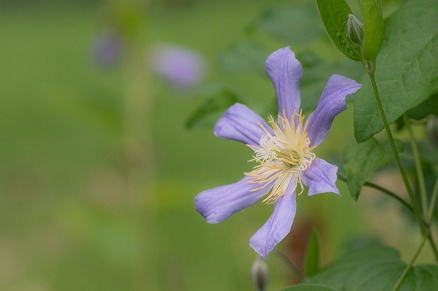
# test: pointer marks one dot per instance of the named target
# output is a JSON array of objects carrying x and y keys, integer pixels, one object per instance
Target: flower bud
[
  {"x": 260, "y": 274},
  {"x": 354, "y": 29},
  {"x": 432, "y": 129}
]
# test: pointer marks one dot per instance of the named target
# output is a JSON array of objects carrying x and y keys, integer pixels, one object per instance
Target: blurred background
[{"x": 106, "y": 116}]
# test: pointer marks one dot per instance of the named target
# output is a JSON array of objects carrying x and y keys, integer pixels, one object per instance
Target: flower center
[{"x": 282, "y": 156}]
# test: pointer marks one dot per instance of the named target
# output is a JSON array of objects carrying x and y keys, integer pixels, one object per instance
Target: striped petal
[
  {"x": 331, "y": 103},
  {"x": 219, "y": 203},
  {"x": 241, "y": 124},
  {"x": 320, "y": 177},
  {"x": 285, "y": 72},
  {"x": 277, "y": 226}
]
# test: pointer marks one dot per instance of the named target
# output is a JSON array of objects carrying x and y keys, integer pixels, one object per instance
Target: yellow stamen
[{"x": 282, "y": 156}]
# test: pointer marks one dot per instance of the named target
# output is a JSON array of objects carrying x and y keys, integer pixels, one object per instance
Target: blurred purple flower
[
  {"x": 107, "y": 48},
  {"x": 283, "y": 151},
  {"x": 181, "y": 67}
]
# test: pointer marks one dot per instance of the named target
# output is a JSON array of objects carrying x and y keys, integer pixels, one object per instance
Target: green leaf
[
  {"x": 373, "y": 28},
  {"x": 334, "y": 14},
  {"x": 375, "y": 268},
  {"x": 311, "y": 266},
  {"x": 218, "y": 99},
  {"x": 430, "y": 106},
  {"x": 362, "y": 160},
  {"x": 291, "y": 23},
  {"x": 308, "y": 287},
  {"x": 244, "y": 57},
  {"x": 406, "y": 67}
]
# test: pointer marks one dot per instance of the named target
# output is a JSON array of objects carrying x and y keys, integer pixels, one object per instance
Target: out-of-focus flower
[
  {"x": 181, "y": 67},
  {"x": 283, "y": 151},
  {"x": 107, "y": 48}
]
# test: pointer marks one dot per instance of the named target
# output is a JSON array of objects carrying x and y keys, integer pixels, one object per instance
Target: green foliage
[
  {"x": 244, "y": 57},
  {"x": 373, "y": 28},
  {"x": 218, "y": 99},
  {"x": 407, "y": 62},
  {"x": 311, "y": 266},
  {"x": 308, "y": 287},
  {"x": 334, "y": 14},
  {"x": 430, "y": 106},
  {"x": 362, "y": 160},
  {"x": 375, "y": 268},
  {"x": 287, "y": 23}
]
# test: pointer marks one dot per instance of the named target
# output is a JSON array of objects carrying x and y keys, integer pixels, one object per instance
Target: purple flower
[
  {"x": 107, "y": 48},
  {"x": 181, "y": 67},
  {"x": 283, "y": 151}
]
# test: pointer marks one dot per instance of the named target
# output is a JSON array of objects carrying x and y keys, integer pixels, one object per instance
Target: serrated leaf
[
  {"x": 309, "y": 287},
  {"x": 218, "y": 99},
  {"x": 406, "y": 67},
  {"x": 373, "y": 28},
  {"x": 311, "y": 265},
  {"x": 244, "y": 57},
  {"x": 295, "y": 24},
  {"x": 362, "y": 160},
  {"x": 375, "y": 268},
  {"x": 334, "y": 14}
]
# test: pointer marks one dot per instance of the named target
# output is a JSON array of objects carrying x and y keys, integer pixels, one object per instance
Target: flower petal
[
  {"x": 285, "y": 72},
  {"x": 277, "y": 226},
  {"x": 320, "y": 177},
  {"x": 331, "y": 103},
  {"x": 242, "y": 124},
  {"x": 221, "y": 202}
]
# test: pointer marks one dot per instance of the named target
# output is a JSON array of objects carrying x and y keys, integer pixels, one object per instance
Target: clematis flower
[
  {"x": 181, "y": 67},
  {"x": 283, "y": 149}
]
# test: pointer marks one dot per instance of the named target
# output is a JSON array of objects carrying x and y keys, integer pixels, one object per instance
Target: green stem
[
  {"x": 409, "y": 266},
  {"x": 383, "y": 190},
  {"x": 420, "y": 175},
  {"x": 395, "y": 153},
  {"x": 432, "y": 201}
]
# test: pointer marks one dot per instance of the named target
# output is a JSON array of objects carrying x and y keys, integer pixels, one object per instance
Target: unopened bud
[
  {"x": 354, "y": 29},
  {"x": 432, "y": 129},
  {"x": 260, "y": 274}
]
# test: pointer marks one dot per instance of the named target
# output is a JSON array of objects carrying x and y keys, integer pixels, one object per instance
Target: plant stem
[
  {"x": 395, "y": 153},
  {"x": 432, "y": 201},
  {"x": 409, "y": 266},
  {"x": 420, "y": 175},
  {"x": 384, "y": 191}
]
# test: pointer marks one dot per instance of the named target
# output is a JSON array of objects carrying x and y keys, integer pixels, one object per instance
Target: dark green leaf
[
  {"x": 245, "y": 57},
  {"x": 334, "y": 14},
  {"x": 308, "y": 287},
  {"x": 373, "y": 28},
  {"x": 295, "y": 24},
  {"x": 362, "y": 160},
  {"x": 406, "y": 67},
  {"x": 430, "y": 106},
  {"x": 218, "y": 99},
  {"x": 375, "y": 268},
  {"x": 311, "y": 266}
]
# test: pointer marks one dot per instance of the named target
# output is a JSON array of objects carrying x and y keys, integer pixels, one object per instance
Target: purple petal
[
  {"x": 285, "y": 72},
  {"x": 320, "y": 177},
  {"x": 242, "y": 124},
  {"x": 277, "y": 226},
  {"x": 331, "y": 103},
  {"x": 221, "y": 202}
]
